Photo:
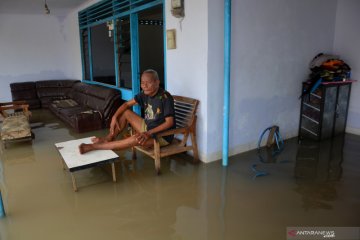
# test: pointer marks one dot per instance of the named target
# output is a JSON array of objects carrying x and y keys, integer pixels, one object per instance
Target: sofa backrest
[
  {"x": 105, "y": 100},
  {"x": 23, "y": 90},
  {"x": 54, "y": 88}
]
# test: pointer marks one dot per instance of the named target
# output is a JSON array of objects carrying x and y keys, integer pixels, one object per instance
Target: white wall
[
  {"x": 32, "y": 47},
  {"x": 39, "y": 47},
  {"x": 73, "y": 54},
  {"x": 272, "y": 45},
  {"x": 187, "y": 64},
  {"x": 347, "y": 45}
]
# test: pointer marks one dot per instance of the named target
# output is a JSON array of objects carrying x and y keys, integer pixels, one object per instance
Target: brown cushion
[
  {"x": 65, "y": 103},
  {"x": 15, "y": 127}
]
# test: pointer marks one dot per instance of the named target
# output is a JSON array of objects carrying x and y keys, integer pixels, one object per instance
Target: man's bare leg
[
  {"x": 114, "y": 145},
  {"x": 128, "y": 117},
  {"x": 108, "y": 138}
]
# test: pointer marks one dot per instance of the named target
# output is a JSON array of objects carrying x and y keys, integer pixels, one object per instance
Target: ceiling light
[{"x": 47, "y": 10}]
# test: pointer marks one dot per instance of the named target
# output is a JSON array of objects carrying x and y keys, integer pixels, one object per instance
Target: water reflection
[{"x": 317, "y": 171}]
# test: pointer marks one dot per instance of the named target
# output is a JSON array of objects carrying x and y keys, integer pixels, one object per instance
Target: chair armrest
[
  {"x": 15, "y": 107},
  {"x": 172, "y": 132},
  {"x": 11, "y": 106},
  {"x": 13, "y": 103}
]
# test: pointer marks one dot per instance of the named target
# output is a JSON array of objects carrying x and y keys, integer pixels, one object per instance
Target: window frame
[{"x": 132, "y": 13}]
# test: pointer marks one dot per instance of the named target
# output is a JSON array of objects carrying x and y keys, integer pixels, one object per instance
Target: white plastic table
[{"x": 74, "y": 161}]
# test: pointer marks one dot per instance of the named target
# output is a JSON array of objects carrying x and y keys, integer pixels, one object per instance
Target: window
[
  {"x": 102, "y": 54},
  {"x": 112, "y": 53}
]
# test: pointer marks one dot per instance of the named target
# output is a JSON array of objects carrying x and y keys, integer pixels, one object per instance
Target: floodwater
[{"x": 312, "y": 184}]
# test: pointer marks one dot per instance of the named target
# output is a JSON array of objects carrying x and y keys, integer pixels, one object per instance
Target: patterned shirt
[{"x": 156, "y": 109}]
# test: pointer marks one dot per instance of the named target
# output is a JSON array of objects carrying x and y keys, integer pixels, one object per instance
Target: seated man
[{"x": 158, "y": 105}]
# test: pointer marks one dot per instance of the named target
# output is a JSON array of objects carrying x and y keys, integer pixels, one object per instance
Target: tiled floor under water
[{"x": 313, "y": 184}]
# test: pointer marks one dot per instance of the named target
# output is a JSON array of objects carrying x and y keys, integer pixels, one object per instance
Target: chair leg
[
  {"x": 195, "y": 148},
  {"x": 132, "y": 132},
  {"x": 157, "y": 157},
  {"x": 133, "y": 153}
]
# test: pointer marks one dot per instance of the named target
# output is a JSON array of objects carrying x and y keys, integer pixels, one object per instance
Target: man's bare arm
[
  {"x": 114, "y": 120},
  {"x": 169, "y": 122},
  {"x": 143, "y": 137}
]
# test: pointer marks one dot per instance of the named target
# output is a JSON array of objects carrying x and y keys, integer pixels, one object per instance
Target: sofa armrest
[{"x": 87, "y": 121}]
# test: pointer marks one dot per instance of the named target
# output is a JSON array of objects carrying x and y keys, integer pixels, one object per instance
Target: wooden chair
[
  {"x": 185, "y": 116},
  {"x": 15, "y": 124},
  {"x": 16, "y": 105}
]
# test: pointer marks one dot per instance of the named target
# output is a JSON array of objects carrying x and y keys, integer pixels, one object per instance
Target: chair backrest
[
  {"x": 185, "y": 111},
  {"x": 16, "y": 105}
]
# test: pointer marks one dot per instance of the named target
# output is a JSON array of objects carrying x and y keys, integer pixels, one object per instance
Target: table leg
[
  {"x": 63, "y": 164},
  {"x": 74, "y": 182},
  {"x": 113, "y": 171}
]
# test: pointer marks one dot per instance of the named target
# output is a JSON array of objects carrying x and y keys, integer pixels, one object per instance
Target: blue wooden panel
[
  {"x": 82, "y": 54},
  {"x": 116, "y": 55},
  {"x": 2, "y": 209},
  {"x": 90, "y": 55},
  {"x": 101, "y": 84},
  {"x": 135, "y": 72},
  {"x": 111, "y": 9},
  {"x": 126, "y": 94}
]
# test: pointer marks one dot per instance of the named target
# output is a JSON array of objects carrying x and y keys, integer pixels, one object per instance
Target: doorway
[{"x": 151, "y": 41}]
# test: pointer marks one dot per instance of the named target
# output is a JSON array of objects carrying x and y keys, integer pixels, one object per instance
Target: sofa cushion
[
  {"x": 73, "y": 110},
  {"x": 65, "y": 103},
  {"x": 47, "y": 90},
  {"x": 15, "y": 127},
  {"x": 80, "y": 118}
]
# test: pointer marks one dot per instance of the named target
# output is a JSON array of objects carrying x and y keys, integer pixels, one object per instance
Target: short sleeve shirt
[{"x": 157, "y": 108}]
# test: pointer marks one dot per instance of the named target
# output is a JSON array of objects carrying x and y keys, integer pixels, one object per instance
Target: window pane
[
  {"x": 85, "y": 52},
  {"x": 102, "y": 54},
  {"x": 124, "y": 52}
]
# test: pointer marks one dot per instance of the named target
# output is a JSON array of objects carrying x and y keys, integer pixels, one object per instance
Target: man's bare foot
[{"x": 84, "y": 148}]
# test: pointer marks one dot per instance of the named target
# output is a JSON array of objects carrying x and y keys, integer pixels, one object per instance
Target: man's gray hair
[{"x": 154, "y": 73}]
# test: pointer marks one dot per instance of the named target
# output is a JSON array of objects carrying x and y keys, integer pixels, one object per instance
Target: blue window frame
[{"x": 120, "y": 17}]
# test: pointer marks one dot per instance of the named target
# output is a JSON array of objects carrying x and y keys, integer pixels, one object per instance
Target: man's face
[{"x": 149, "y": 85}]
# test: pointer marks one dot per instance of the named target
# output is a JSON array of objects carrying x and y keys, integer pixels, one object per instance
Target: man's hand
[
  {"x": 114, "y": 125},
  {"x": 142, "y": 137}
]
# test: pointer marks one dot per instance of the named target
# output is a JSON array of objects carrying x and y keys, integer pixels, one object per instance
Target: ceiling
[{"x": 57, "y": 7}]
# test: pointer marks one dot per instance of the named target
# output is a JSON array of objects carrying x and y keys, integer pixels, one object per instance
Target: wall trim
[
  {"x": 241, "y": 148},
  {"x": 355, "y": 131}
]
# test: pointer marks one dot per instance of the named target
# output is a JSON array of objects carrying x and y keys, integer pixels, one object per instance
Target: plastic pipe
[{"x": 227, "y": 61}]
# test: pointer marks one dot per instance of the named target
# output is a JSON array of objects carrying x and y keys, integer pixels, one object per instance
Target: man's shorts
[{"x": 161, "y": 140}]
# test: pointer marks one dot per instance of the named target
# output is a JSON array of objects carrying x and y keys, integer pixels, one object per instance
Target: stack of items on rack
[
  {"x": 329, "y": 68},
  {"x": 326, "y": 68}
]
